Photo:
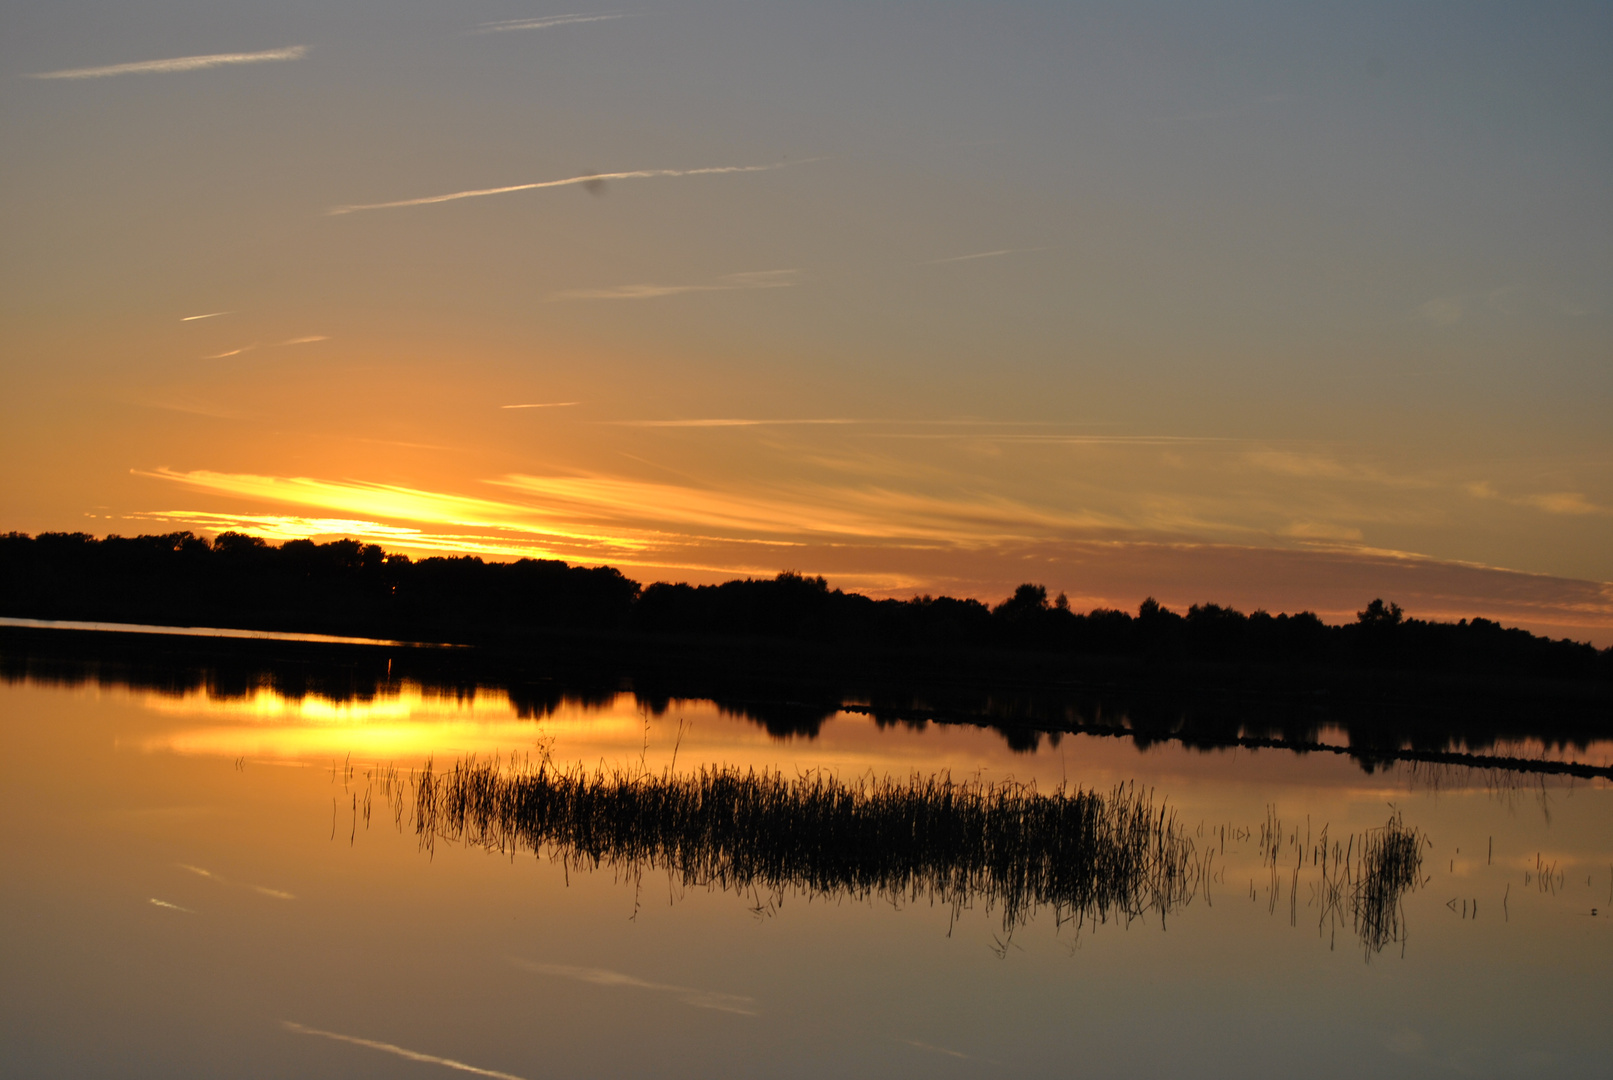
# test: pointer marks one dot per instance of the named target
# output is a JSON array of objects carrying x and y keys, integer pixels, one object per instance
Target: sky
[{"x": 1273, "y": 305}]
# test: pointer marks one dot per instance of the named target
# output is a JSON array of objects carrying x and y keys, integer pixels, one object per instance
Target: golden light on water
[{"x": 402, "y": 724}]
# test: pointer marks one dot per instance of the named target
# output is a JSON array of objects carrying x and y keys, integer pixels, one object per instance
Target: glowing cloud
[
  {"x": 385, "y": 501},
  {"x": 590, "y": 179},
  {"x": 542, "y": 405},
  {"x": 897, "y": 535},
  {"x": 209, "y": 315},
  {"x": 178, "y": 63}
]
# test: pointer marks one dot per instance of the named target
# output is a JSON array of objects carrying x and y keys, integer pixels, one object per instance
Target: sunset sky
[{"x": 1283, "y": 306}]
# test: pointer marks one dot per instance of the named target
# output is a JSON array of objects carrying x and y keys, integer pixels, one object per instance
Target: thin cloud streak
[
  {"x": 544, "y": 23},
  {"x": 390, "y": 1048},
  {"x": 975, "y": 255},
  {"x": 209, "y": 315},
  {"x": 587, "y": 178},
  {"x": 938, "y": 1049},
  {"x": 718, "y": 423},
  {"x": 178, "y": 63},
  {"x": 309, "y": 340},
  {"x": 756, "y": 279},
  {"x": 543, "y": 405},
  {"x": 1076, "y": 440},
  {"x": 688, "y": 995},
  {"x": 861, "y": 422}
]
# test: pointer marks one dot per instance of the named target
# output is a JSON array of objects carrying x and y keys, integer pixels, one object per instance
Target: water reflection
[
  {"x": 364, "y": 689},
  {"x": 403, "y": 722},
  {"x": 1371, "y": 724},
  {"x": 1485, "y": 920},
  {"x": 1088, "y": 857}
]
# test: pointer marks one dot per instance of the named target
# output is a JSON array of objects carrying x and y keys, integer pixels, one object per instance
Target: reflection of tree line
[
  {"x": 1442, "y": 729},
  {"x": 1088, "y": 857}
]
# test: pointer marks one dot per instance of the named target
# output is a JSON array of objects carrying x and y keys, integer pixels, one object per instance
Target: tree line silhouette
[{"x": 344, "y": 587}]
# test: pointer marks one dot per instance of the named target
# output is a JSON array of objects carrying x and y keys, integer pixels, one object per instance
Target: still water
[{"x": 200, "y": 885}]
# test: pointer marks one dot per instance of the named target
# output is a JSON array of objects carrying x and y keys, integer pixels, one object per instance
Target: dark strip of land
[{"x": 347, "y": 588}]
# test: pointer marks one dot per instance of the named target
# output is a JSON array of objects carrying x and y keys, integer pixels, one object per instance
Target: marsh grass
[
  {"x": 1091, "y": 857},
  {"x": 1363, "y": 879}
]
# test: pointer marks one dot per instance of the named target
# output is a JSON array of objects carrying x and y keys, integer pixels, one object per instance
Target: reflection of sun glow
[
  {"x": 407, "y": 702},
  {"x": 402, "y": 723}
]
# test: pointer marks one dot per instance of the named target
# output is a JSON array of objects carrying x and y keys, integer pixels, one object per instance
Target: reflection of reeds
[
  {"x": 1088, "y": 856},
  {"x": 1366, "y": 879}
]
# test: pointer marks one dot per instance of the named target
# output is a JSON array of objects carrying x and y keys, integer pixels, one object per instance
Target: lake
[{"x": 205, "y": 880}]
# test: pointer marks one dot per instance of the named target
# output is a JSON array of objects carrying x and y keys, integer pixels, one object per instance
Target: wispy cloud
[
  {"x": 543, "y": 23},
  {"x": 209, "y": 315},
  {"x": 700, "y": 999},
  {"x": 178, "y": 63},
  {"x": 933, "y": 529},
  {"x": 875, "y": 513},
  {"x": 1069, "y": 439},
  {"x": 719, "y": 423},
  {"x": 976, "y": 255},
  {"x": 757, "y": 279},
  {"x": 309, "y": 340},
  {"x": 543, "y": 405},
  {"x": 389, "y": 502},
  {"x": 939, "y": 1049},
  {"x": 589, "y": 179},
  {"x": 865, "y": 422},
  {"x": 283, "y": 527},
  {"x": 1572, "y": 503},
  {"x": 171, "y": 907},
  {"x": 389, "y": 1048}
]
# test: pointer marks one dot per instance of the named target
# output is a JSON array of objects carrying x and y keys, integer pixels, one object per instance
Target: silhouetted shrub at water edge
[{"x": 345, "y": 587}]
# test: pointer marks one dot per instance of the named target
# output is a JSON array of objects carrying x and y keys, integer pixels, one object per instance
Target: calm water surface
[{"x": 202, "y": 886}]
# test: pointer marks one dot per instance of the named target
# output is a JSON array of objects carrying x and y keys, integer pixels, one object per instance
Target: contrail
[
  {"x": 412, "y": 1055},
  {"x": 178, "y": 63},
  {"x": 209, "y": 315},
  {"x": 539, "y": 24},
  {"x": 589, "y": 178}
]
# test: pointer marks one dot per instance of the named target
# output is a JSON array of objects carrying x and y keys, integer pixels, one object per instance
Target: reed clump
[
  {"x": 1090, "y": 856},
  {"x": 1364, "y": 881}
]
